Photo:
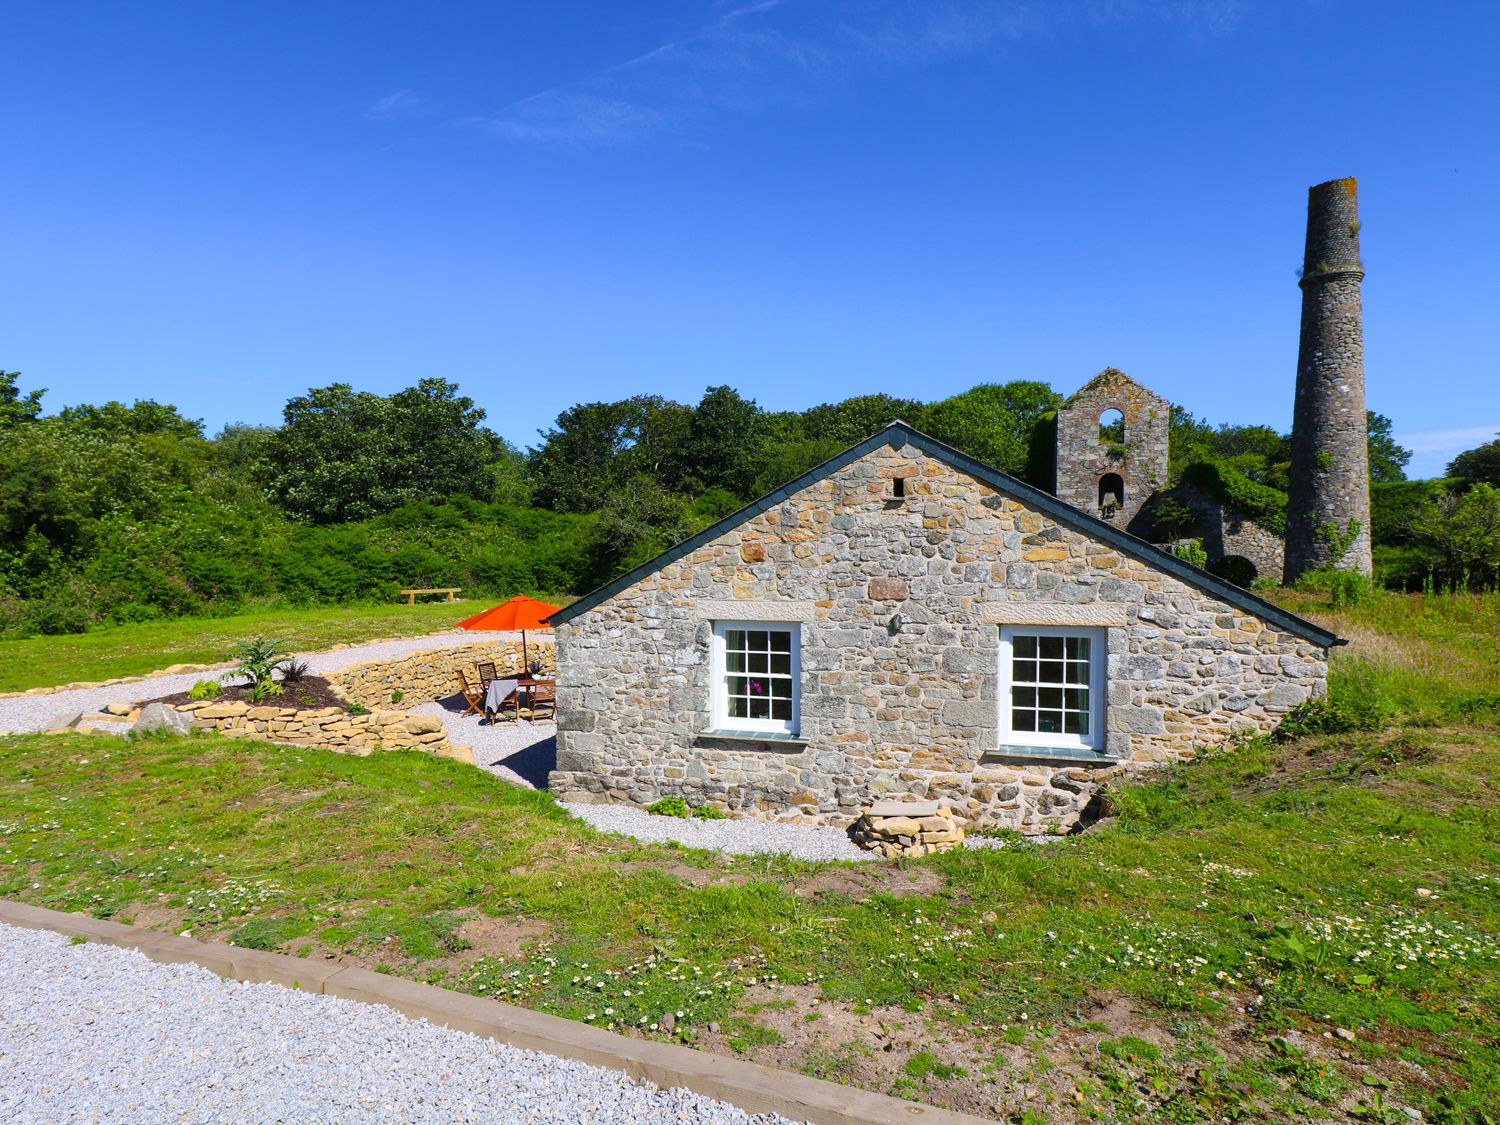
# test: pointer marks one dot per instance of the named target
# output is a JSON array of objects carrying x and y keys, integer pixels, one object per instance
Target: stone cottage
[{"x": 903, "y": 620}]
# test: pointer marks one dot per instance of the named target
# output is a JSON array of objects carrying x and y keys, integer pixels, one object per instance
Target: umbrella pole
[{"x": 525, "y": 661}]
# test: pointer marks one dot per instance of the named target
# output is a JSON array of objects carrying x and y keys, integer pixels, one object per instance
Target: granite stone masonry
[
  {"x": 423, "y": 676},
  {"x": 1328, "y": 512},
  {"x": 1226, "y": 531},
  {"x": 898, "y": 600},
  {"x": 1106, "y": 478}
]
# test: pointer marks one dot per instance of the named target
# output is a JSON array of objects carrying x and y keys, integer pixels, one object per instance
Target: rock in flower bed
[{"x": 895, "y": 828}]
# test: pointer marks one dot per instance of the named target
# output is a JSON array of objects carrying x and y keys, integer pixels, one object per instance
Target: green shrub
[
  {"x": 1336, "y": 713},
  {"x": 668, "y": 806},
  {"x": 397, "y": 696},
  {"x": 357, "y": 708},
  {"x": 1191, "y": 552},
  {"x": 709, "y": 812},
  {"x": 1262, "y": 503},
  {"x": 205, "y": 689},
  {"x": 1344, "y": 587}
]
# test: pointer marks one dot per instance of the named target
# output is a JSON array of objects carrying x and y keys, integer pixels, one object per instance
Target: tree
[
  {"x": 15, "y": 407},
  {"x": 596, "y": 446},
  {"x": 723, "y": 447},
  {"x": 1387, "y": 459},
  {"x": 1480, "y": 464},
  {"x": 144, "y": 418},
  {"x": 1464, "y": 533},
  {"x": 854, "y": 419},
  {"x": 992, "y": 422},
  {"x": 345, "y": 455}
]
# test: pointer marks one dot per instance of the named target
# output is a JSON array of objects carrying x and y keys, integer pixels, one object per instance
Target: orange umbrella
[{"x": 518, "y": 613}]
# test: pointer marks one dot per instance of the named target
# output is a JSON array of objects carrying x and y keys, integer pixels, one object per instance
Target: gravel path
[
  {"x": 93, "y": 1033},
  {"x": 23, "y": 713},
  {"x": 523, "y": 753}
]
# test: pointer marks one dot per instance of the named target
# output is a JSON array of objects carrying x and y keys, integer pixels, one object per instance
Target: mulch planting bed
[{"x": 307, "y": 694}]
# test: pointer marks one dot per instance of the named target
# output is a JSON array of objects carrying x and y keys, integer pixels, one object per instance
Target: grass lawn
[
  {"x": 1247, "y": 941},
  {"x": 130, "y": 650}
]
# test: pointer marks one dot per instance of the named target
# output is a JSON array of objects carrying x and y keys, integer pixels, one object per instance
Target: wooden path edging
[{"x": 752, "y": 1087}]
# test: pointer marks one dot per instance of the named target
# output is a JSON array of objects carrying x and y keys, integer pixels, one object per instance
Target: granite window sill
[
  {"x": 762, "y": 738},
  {"x": 1061, "y": 755}
]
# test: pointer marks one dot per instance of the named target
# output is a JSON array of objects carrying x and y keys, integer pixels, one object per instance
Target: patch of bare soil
[
  {"x": 693, "y": 876},
  {"x": 871, "y": 879},
  {"x": 154, "y": 916},
  {"x": 310, "y": 693},
  {"x": 500, "y": 937}
]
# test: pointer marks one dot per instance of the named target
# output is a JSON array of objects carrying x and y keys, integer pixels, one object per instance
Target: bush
[
  {"x": 1339, "y": 712},
  {"x": 1262, "y": 503},
  {"x": 205, "y": 689},
  {"x": 1191, "y": 552},
  {"x": 1344, "y": 587},
  {"x": 668, "y": 806},
  {"x": 709, "y": 812}
]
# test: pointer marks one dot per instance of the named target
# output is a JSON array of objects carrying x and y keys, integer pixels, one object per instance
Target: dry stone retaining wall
[
  {"x": 905, "y": 709},
  {"x": 329, "y": 728},
  {"x": 430, "y": 674}
]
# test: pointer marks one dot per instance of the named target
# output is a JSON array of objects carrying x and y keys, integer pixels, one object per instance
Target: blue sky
[{"x": 558, "y": 202}]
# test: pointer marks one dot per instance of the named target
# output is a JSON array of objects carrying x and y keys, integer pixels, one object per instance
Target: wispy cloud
[
  {"x": 575, "y": 120},
  {"x": 397, "y": 105},
  {"x": 769, "y": 52},
  {"x": 1449, "y": 441}
]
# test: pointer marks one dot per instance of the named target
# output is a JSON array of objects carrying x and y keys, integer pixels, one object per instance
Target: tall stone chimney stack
[{"x": 1328, "y": 513}]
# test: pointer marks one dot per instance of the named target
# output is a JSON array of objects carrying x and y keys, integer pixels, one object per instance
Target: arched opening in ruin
[
  {"x": 1112, "y": 427},
  {"x": 1237, "y": 569},
  {"x": 1111, "y": 494}
]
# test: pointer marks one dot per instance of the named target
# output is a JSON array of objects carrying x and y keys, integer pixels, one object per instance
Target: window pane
[
  {"x": 781, "y": 709},
  {"x": 1083, "y": 723},
  {"x": 739, "y": 708},
  {"x": 734, "y": 638},
  {"x": 755, "y": 640},
  {"x": 760, "y": 708},
  {"x": 1051, "y": 671},
  {"x": 1023, "y": 696},
  {"x": 738, "y": 685},
  {"x": 1070, "y": 722},
  {"x": 1051, "y": 648},
  {"x": 1049, "y": 722},
  {"x": 1050, "y": 697},
  {"x": 1023, "y": 720},
  {"x": 1023, "y": 646},
  {"x": 758, "y": 663},
  {"x": 1023, "y": 671},
  {"x": 734, "y": 662},
  {"x": 781, "y": 642},
  {"x": 781, "y": 689},
  {"x": 781, "y": 662},
  {"x": 1076, "y": 699},
  {"x": 1078, "y": 673}
]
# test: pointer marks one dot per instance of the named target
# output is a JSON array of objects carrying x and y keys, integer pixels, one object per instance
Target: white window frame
[
  {"x": 719, "y": 674},
  {"x": 1094, "y": 742}
]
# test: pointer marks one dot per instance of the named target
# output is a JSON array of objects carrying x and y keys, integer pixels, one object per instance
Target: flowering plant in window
[{"x": 757, "y": 688}]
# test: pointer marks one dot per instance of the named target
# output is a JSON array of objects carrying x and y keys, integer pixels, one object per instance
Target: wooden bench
[{"x": 411, "y": 595}]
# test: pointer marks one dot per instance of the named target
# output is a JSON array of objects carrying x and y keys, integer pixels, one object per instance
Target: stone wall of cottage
[
  {"x": 430, "y": 674},
  {"x": 904, "y": 706}
]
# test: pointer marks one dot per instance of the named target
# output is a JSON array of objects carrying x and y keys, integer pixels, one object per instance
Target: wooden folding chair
[
  {"x": 487, "y": 674},
  {"x": 475, "y": 699},
  {"x": 542, "y": 697}
]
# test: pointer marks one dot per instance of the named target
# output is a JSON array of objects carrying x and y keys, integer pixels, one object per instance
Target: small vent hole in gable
[{"x": 898, "y": 487}]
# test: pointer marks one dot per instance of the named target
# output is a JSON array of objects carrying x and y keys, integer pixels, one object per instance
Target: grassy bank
[
  {"x": 1295, "y": 930},
  {"x": 129, "y": 650}
]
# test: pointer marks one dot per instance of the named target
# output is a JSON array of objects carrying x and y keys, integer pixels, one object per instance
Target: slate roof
[{"x": 897, "y": 435}]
